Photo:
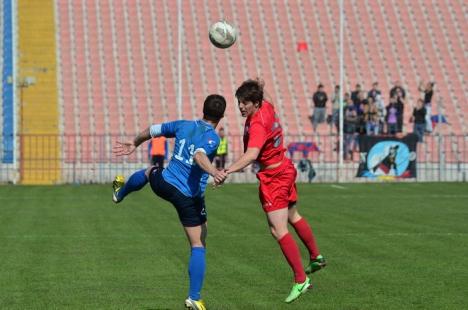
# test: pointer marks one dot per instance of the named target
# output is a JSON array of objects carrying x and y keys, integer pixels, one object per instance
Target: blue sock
[
  {"x": 197, "y": 268},
  {"x": 136, "y": 182}
]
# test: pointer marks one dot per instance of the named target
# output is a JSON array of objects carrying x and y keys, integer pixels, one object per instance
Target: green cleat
[
  {"x": 119, "y": 181},
  {"x": 195, "y": 304},
  {"x": 297, "y": 290},
  {"x": 316, "y": 264}
]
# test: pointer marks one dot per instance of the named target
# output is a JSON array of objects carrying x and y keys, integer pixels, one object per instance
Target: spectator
[
  {"x": 349, "y": 128},
  {"x": 372, "y": 118},
  {"x": 320, "y": 99},
  {"x": 381, "y": 111},
  {"x": 362, "y": 111},
  {"x": 336, "y": 107},
  {"x": 397, "y": 87},
  {"x": 392, "y": 115},
  {"x": 305, "y": 166},
  {"x": 400, "y": 105},
  {"x": 158, "y": 151},
  {"x": 374, "y": 92},
  {"x": 362, "y": 100},
  {"x": 355, "y": 95},
  {"x": 221, "y": 152},
  {"x": 428, "y": 91},
  {"x": 419, "y": 120}
]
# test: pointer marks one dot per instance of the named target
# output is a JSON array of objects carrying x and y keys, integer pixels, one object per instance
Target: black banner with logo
[{"x": 387, "y": 157}]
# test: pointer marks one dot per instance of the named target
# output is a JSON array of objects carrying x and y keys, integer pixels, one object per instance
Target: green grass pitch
[{"x": 389, "y": 246}]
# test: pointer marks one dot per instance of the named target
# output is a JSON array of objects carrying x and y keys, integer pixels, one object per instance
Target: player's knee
[
  {"x": 197, "y": 244},
  {"x": 294, "y": 217},
  {"x": 148, "y": 171},
  {"x": 278, "y": 232}
]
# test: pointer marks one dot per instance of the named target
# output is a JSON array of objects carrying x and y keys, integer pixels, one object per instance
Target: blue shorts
[{"x": 191, "y": 210}]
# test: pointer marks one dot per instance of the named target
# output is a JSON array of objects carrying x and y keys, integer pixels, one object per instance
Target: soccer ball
[{"x": 222, "y": 34}]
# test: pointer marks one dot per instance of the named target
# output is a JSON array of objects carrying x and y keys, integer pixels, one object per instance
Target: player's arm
[
  {"x": 266, "y": 94},
  {"x": 257, "y": 139},
  {"x": 422, "y": 87},
  {"x": 156, "y": 130},
  {"x": 204, "y": 162},
  {"x": 128, "y": 147},
  {"x": 246, "y": 159},
  {"x": 207, "y": 148}
]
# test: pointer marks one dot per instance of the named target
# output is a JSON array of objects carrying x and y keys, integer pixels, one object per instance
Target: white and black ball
[{"x": 222, "y": 34}]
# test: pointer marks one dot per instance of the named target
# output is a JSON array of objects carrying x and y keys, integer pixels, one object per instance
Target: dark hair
[
  {"x": 250, "y": 90},
  {"x": 214, "y": 107}
]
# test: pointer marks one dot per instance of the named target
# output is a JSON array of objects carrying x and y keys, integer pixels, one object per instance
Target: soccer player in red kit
[{"x": 263, "y": 142}]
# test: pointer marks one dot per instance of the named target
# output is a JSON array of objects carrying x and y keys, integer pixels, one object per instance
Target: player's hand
[
  {"x": 260, "y": 81},
  {"x": 220, "y": 177},
  {"x": 123, "y": 148}
]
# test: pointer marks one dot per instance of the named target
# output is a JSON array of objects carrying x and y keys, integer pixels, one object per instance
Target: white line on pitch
[{"x": 338, "y": 186}]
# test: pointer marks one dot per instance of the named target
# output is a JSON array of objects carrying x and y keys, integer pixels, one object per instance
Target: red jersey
[{"x": 263, "y": 130}]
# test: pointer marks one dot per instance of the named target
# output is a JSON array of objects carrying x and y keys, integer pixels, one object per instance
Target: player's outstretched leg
[
  {"x": 121, "y": 189},
  {"x": 304, "y": 231}
]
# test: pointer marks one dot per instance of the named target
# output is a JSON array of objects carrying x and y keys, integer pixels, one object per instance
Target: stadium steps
[
  {"x": 413, "y": 74},
  {"x": 288, "y": 102},
  {"x": 450, "y": 59},
  {"x": 109, "y": 78},
  {"x": 301, "y": 83},
  {"x": 39, "y": 115},
  {"x": 119, "y": 69},
  {"x": 404, "y": 54},
  {"x": 382, "y": 45},
  {"x": 262, "y": 56},
  {"x": 354, "y": 20},
  {"x": 418, "y": 19},
  {"x": 380, "y": 71},
  {"x": 156, "y": 111},
  {"x": 456, "y": 20},
  {"x": 445, "y": 59}
]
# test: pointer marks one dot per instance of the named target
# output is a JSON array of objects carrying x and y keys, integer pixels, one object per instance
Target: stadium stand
[
  {"x": 118, "y": 70},
  {"x": 39, "y": 111},
  {"x": 119, "y": 61}
]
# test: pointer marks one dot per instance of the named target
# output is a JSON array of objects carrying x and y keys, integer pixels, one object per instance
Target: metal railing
[{"x": 89, "y": 159}]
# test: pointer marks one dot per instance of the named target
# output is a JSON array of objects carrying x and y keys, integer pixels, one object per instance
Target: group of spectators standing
[{"x": 365, "y": 112}]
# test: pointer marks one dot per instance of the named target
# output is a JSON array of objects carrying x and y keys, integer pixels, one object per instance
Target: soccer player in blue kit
[{"x": 183, "y": 182}]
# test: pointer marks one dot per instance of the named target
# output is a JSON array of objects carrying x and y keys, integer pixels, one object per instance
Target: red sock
[
  {"x": 304, "y": 232},
  {"x": 293, "y": 256}
]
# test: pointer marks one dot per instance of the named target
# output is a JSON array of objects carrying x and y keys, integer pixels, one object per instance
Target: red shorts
[{"x": 278, "y": 186}]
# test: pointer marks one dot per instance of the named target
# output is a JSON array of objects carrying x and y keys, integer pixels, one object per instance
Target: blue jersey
[{"x": 190, "y": 137}]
